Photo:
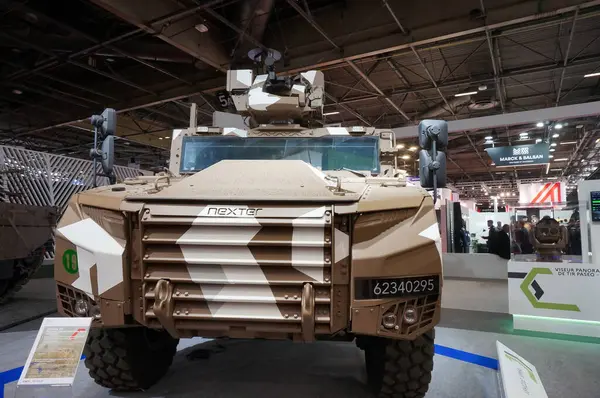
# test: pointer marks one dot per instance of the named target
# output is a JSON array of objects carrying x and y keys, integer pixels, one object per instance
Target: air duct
[
  {"x": 253, "y": 19},
  {"x": 442, "y": 108}
]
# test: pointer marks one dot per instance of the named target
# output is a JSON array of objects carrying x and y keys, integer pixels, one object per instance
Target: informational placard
[
  {"x": 556, "y": 290},
  {"x": 519, "y": 378},
  {"x": 56, "y": 352},
  {"x": 519, "y": 155}
]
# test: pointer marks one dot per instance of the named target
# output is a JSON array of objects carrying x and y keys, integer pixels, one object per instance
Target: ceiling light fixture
[
  {"x": 524, "y": 134},
  {"x": 553, "y": 144},
  {"x": 400, "y": 146},
  {"x": 202, "y": 28},
  {"x": 568, "y": 142},
  {"x": 538, "y": 140},
  {"x": 405, "y": 157},
  {"x": 489, "y": 138},
  {"x": 592, "y": 74},
  {"x": 558, "y": 126},
  {"x": 17, "y": 91},
  {"x": 550, "y": 156},
  {"x": 465, "y": 94},
  {"x": 552, "y": 149},
  {"x": 555, "y": 135},
  {"x": 331, "y": 113},
  {"x": 539, "y": 124},
  {"x": 413, "y": 148},
  {"x": 561, "y": 160}
]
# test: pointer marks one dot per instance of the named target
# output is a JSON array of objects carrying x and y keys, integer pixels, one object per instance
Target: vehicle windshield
[{"x": 325, "y": 153}]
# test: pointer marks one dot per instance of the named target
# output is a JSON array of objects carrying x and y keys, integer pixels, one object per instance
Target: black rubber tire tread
[
  {"x": 123, "y": 359},
  {"x": 401, "y": 368},
  {"x": 24, "y": 268}
]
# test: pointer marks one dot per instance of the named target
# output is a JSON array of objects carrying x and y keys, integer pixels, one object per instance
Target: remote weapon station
[{"x": 284, "y": 230}]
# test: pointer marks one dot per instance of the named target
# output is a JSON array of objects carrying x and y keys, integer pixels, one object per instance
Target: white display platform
[
  {"x": 474, "y": 266},
  {"x": 555, "y": 297}
]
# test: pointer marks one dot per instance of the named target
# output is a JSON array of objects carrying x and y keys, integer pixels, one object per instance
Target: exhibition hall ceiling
[{"x": 387, "y": 64}]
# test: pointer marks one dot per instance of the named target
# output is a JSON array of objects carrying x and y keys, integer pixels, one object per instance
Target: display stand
[
  {"x": 54, "y": 358},
  {"x": 557, "y": 288},
  {"x": 554, "y": 297},
  {"x": 517, "y": 377}
]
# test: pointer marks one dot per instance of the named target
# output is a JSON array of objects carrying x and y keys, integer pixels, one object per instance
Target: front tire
[
  {"x": 129, "y": 359},
  {"x": 400, "y": 368}
]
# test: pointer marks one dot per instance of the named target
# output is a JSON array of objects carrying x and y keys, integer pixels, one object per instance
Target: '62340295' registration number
[{"x": 396, "y": 287}]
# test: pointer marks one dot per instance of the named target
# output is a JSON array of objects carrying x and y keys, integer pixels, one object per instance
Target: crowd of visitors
[
  {"x": 498, "y": 239},
  {"x": 503, "y": 240}
]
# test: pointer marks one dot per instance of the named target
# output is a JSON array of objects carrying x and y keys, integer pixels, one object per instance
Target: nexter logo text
[{"x": 233, "y": 211}]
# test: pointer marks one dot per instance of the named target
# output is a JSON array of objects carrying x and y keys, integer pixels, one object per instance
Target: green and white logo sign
[
  {"x": 69, "y": 260},
  {"x": 530, "y": 283},
  {"x": 557, "y": 290}
]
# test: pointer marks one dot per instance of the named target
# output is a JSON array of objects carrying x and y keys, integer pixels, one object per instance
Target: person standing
[
  {"x": 492, "y": 238},
  {"x": 503, "y": 248}
]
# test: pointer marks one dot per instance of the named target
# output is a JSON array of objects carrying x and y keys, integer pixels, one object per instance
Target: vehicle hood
[{"x": 258, "y": 180}]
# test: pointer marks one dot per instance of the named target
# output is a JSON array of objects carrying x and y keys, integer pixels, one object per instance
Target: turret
[{"x": 272, "y": 99}]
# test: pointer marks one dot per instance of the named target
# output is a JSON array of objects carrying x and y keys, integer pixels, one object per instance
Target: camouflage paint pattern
[
  {"x": 251, "y": 99},
  {"x": 249, "y": 249}
]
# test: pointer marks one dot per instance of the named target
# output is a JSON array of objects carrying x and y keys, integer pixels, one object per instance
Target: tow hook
[
  {"x": 308, "y": 313},
  {"x": 164, "y": 306}
]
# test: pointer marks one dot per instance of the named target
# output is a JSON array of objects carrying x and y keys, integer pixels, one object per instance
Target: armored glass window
[{"x": 325, "y": 153}]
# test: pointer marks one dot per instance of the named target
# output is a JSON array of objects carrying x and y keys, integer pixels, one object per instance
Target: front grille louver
[{"x": 238, "y": 271}]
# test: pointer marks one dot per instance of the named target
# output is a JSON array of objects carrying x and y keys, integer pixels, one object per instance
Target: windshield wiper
[{"x": 358, "y": 173}]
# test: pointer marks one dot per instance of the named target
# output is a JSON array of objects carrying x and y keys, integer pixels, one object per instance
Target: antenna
[{"x": 105, "y": 126}]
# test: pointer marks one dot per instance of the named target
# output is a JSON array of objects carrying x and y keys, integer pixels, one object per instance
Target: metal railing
[{"x": 43, "y": 179}]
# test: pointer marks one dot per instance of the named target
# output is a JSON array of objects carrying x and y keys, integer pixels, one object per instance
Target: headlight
[
  {"x": 389, "y": 320},
  {"x": 411, "y": 315},
  {"x": 81, "y": 307}
]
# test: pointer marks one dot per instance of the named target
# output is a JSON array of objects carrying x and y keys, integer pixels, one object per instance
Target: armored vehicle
[
  {"x": 26, "y": 235},
  {"x": 277, "y": 231}
]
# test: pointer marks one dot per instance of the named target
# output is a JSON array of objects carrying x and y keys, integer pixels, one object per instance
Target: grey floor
[
  {"x": 285, "y": 369},
  {"x": 35, "y": 298}
]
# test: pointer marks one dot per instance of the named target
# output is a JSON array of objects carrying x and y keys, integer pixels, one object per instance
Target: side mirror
[
  {"x": 105, "y": 127},
  {"x": 109, "y": 125},
  {"x": 433, "y": 139},
  {"x": 431, "y": 131},
  {"x": 105, "y": 124},
  {"x": 108, "y": 154}
]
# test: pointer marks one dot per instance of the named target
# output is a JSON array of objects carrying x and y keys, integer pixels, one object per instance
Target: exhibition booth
[{"x": 553, "y": 270}]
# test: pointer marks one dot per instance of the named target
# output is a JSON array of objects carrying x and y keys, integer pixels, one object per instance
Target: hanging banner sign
[
  {"x": 548, "y": 193},
  {"x": 519, "y": 155}
]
